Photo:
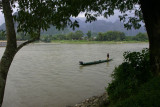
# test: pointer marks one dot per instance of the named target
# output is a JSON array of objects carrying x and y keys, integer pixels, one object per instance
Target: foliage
[
  {"x": 78, "y": 35},
  {"x": 141, "y": 37},
  {"x": 107, "y": 9},
  {"x": 111, "y": 36},
  {"x": 0, "y": 4},
  {"x": 92, "y": 42},
  {"x": 59, "y": 37},
  {"x": 21, "y": 36},
  {"x": 65, "y": 8},
  {"x": 70, "y": 36},
  {"x": 89, "y": 34},
  {"x": 127, "y": 77},
  {"x": 36, "y": 15},
  {"x": 46, "y": 38},
  {"x": 2, "y": 35},
  {"x": 148, "y": 95}
]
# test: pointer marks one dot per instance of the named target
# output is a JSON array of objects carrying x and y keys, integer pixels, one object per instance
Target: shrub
[
  {"x": 147, "y": 96},
  {"x": 127, "y": 77}
]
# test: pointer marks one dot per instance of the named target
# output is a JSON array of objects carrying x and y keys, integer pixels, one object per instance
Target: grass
[
  {"x": 90, "y": 42},
  {"x": 94, "y": 42}
]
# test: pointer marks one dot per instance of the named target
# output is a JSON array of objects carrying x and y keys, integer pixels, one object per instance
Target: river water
[{"x": 49, "y": 75}]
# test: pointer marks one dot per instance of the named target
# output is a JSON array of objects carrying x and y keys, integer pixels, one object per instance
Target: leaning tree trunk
[
  {"x": 11, "y": 47},
  {"x": 151, "y": 15}
]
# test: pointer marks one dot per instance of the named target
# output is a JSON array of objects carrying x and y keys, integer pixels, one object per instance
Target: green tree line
[
  {"x": 79, "y": 35},
  {"x": 106, "y": 36},
  {"x": 111, "y": 36},
  {"x": 2, "y": 35}
]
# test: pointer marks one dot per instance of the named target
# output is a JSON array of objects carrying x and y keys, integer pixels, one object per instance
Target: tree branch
[
  {"x": 26, "y": 43},
  {"x": 30, "y": 41}
]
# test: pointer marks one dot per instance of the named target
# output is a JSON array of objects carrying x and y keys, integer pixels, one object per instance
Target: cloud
[{"x": 110, "y": 19}]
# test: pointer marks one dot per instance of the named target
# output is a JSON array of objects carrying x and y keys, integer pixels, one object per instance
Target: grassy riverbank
[
  {"x": 88, "y": 42},
  {"x": 95, "y": 42}
]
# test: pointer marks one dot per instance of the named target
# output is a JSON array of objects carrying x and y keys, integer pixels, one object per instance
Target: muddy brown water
[{"x": 49, "y": 75}]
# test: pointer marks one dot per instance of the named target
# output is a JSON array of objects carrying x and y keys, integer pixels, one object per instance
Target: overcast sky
[
  {"x": 1, "y": 18},
  {"x": 112, "y": 18},
  {"x": 81, "y": 15}
]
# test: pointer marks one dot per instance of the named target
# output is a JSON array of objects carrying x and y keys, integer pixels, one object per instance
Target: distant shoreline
[
  {"x": 3, "y": 43},
  {"x": 94, "y": 42}
]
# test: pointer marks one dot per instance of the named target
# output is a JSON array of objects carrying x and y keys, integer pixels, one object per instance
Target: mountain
[
  {"x": 3, "y": 27},
  {"x": 104, "y": 26},
  {"x": 97, "y": 26},
  {"x": 52, "y": 31},
  {"x": 1, "y": 18}
]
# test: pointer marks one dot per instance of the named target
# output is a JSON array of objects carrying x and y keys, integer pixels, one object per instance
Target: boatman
[{"x": 107, "y": 56}]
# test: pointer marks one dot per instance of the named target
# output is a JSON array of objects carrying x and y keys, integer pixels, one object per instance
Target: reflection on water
[
  {"x": 107, "y": 64},
  {"x": 49, "y": 75}
]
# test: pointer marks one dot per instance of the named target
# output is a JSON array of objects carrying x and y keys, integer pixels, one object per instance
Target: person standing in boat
[{"x": 107, "y": 56}]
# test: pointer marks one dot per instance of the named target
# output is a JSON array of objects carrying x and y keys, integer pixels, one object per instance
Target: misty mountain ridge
[
  {"x": 96, "y": 27},
  {"x": 104, "y": 26}
]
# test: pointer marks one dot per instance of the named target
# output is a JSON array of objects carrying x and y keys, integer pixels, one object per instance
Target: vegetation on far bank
[
  {"x": 94, "y": 42},
  {"x": 87, "y": 42},
  {"x": 90, "y": 37}
]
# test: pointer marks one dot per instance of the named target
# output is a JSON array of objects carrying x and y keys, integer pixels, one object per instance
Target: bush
[
  {"x": 129, "y": 76},
  {"x": 141, "y": 37},
  {"x": 147, "y": 96}
]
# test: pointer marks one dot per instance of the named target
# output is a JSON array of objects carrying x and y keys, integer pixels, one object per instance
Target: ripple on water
[{"x": 49, "y": 75}]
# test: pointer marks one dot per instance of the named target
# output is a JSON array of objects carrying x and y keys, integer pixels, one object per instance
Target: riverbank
[
  {"x": 4, "y": 43},
  {"x": 95, "y": 101},
  {"x": 94, "y": 42}
]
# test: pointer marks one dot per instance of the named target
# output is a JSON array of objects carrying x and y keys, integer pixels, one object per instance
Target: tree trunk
[
  {"x": 151, "y": 15},
  {"x": 11, "y": 47}
]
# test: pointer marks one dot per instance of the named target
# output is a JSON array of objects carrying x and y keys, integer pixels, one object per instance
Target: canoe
[{"x": 94, "y": 62}]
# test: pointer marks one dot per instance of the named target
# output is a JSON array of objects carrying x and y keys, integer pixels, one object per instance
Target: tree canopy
[
  {"x": 111, "y": 36},
  {"x": 58, "y": 12}
]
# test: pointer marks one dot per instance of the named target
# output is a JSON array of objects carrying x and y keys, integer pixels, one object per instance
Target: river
[{"x": 49, "y": 75}]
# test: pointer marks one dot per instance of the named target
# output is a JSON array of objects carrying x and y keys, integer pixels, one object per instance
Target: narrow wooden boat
[{"x": 94, "y": 62}]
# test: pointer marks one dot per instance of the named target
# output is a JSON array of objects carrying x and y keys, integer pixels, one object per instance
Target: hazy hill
[
  {"x": 3, "y": 27},
  {"x": 97, "y": 26},
  {"x": 103, "y": 26},
  {"x": 52, "y": 31}
]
